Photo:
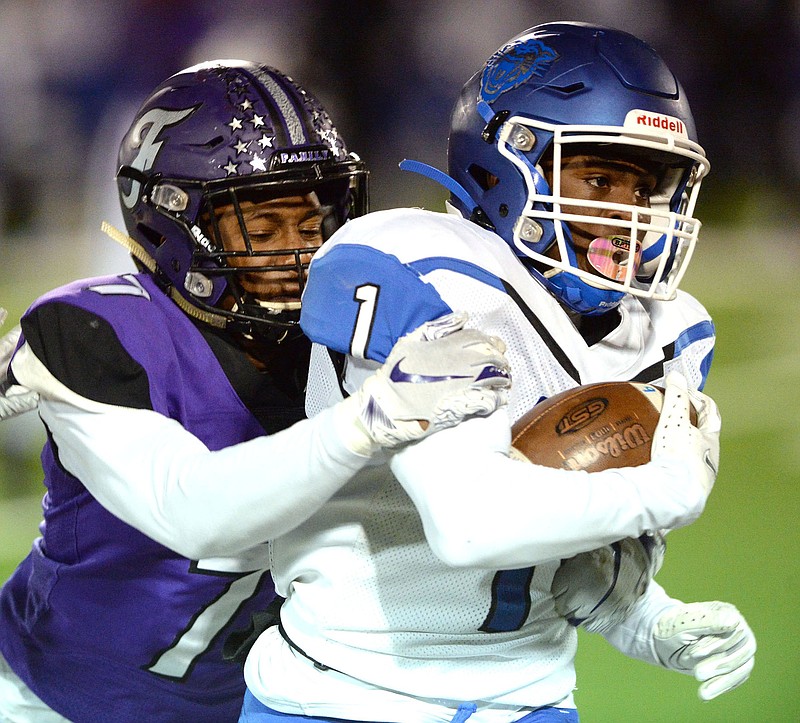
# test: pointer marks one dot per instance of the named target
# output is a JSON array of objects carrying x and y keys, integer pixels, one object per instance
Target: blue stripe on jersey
[
  {"x": 360, "y": 301},
  {"x": 702, "y": 330},
  {"x": 511, "y": 600},
  {"x": 425, "y": 266},
  {"x": 698, "y": 332}
]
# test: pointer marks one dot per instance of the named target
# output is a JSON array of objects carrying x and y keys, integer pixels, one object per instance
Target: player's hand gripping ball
[{"x": 592, "y": 428}]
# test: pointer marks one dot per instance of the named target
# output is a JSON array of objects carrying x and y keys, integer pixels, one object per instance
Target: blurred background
[{"x": 73, "y": 72}]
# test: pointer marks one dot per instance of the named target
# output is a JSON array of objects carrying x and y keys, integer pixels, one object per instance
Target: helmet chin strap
[
  {"x": 441, "y": 178},
  {"x": 276, "y": 307},
  {"x": 476, "y": 213},
  {"x": 218, "y": 321}
]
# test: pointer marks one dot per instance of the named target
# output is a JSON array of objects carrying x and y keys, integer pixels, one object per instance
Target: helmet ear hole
[
  {"x": 154, "y": 237},
  {"x": 482, "y": 177}
]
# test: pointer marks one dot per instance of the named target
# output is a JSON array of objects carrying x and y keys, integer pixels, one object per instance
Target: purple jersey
[{"x": 100, "y": 621}]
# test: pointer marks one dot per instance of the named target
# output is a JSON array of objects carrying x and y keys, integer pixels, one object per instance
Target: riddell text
[{"x": 668, "y": 124}]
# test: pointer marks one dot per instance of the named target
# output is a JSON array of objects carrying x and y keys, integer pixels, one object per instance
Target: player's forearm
[
  {"x": 634, "y": 635},
  {"x": 153, "y": 474},
  {"x": 480, "y": 508}
]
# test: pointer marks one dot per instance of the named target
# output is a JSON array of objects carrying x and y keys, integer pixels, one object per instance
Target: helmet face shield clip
[{"x": 169, "y": 197}]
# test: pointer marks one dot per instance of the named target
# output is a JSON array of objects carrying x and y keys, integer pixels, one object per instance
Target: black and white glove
[
  {"x": 14, "y": 398},
  {"x": 597, "y": 589},
  {"x": 709, "y": 640},
  {"x": 434, "y": 377}
]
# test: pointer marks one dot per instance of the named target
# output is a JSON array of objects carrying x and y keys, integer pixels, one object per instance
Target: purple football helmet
[
  {"x": 563, "y": 88},
  {"x": 214, "y": 136}
]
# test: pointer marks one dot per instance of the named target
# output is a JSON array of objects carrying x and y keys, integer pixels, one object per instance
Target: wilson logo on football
[
  {"x": 578, "y": 417},
  {"x": 614, "y": 446}
]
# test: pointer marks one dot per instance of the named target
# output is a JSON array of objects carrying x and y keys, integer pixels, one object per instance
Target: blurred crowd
[{"x": 73, "y": 71}]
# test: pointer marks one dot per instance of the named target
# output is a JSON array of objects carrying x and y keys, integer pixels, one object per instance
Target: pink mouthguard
[{"x": 609, "y": 256}]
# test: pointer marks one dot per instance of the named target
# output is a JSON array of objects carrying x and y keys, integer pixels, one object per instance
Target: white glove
[
  {"x": 433, "y": 378},
  {"x": 677, "y": 440},
  {"x": 14, "y": 399},
  {"x": 710, "y": 640},
  {"x": 597, "y": 589}
]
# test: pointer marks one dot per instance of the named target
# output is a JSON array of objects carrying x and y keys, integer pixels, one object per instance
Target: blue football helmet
[
  {"x": 564, "y": 88},
  {"x": 211, "y": 137}
]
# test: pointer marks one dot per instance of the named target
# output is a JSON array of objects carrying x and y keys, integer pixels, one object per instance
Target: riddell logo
[
  {"x": 665, "y": 122},
  {"x": 642, "y": 118},
  {"x": 578, "y": 417}
]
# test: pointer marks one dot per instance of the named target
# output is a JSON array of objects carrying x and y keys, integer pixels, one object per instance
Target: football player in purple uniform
[
  {"x": 428, "y": 588},
  {"x": 173, "y": 400}
]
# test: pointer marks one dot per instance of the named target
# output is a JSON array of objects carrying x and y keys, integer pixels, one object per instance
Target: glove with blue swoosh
[{"x": 434, "y": 377}]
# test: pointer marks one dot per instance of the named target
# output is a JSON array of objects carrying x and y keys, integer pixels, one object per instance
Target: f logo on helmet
[
  {"x": 146, "y": 131},
  {"x": 512, "y": 65}
]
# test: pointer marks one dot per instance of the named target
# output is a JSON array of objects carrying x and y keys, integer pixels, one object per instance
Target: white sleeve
[
  {"x": 634, "y": 635},
  {"x": 482, "y": 508},
  {"x": 159, "y": 478}
]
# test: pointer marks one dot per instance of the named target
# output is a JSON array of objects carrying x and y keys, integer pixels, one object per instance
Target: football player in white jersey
[{"x": 423, "y": 590}]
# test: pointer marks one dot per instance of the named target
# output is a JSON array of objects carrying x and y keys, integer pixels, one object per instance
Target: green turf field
[{"x": 743, "y": 550}]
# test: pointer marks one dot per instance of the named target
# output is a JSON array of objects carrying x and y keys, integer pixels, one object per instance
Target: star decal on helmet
[
  {"x": 266, "y": 141},
  {"x": 231, "y": 168},
  {"x": 246, "y": 104},
  {"x": 235, "y": 124},
  {"x": 241, "y": 147},
  {"x": 257, "y": 120},
  {"x": 258, "y": 163},
  {"x": 330, "y": 135}
]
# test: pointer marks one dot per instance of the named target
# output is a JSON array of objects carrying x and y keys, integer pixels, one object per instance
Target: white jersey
[{"x": 422, "y": 615}]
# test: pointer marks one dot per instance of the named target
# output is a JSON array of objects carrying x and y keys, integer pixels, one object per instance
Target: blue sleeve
[{"x": 360, "y": 301}]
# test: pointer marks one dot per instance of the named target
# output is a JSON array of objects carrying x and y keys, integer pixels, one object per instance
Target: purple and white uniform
[{"x": 104, "y": 619}]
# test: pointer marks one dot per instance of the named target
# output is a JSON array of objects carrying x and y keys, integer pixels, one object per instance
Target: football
[{"x": 592, "y": 427}]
